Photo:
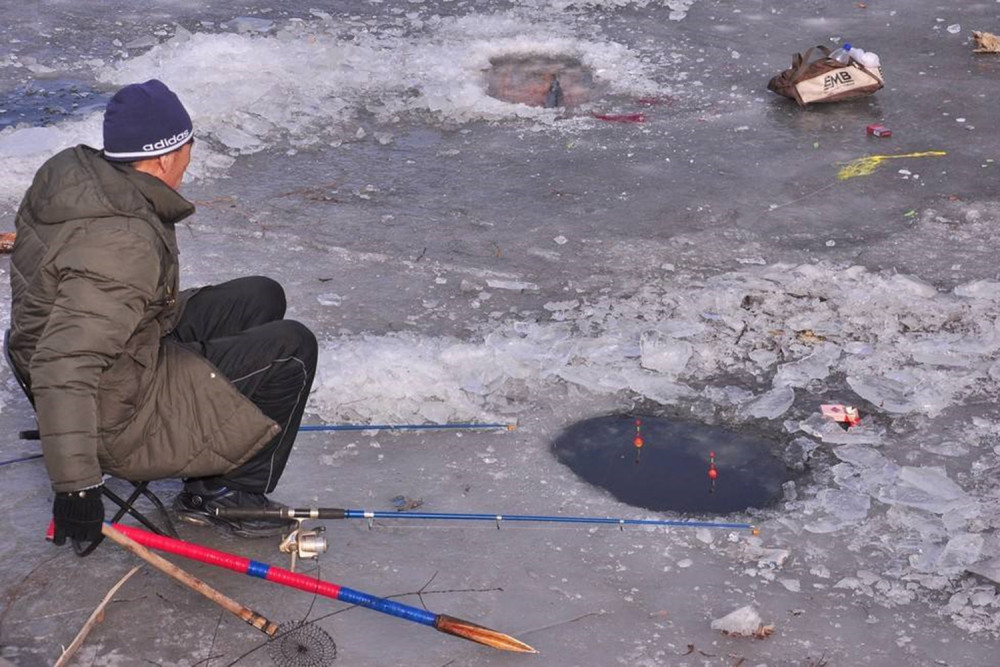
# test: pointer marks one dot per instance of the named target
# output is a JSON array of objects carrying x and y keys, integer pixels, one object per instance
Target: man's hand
[{"x": 78, "y": 515}]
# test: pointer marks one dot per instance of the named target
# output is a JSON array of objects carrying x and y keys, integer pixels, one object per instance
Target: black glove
[{"x": 78, "y": 515}]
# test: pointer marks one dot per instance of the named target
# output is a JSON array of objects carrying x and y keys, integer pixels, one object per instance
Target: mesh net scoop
[{"x": 302, "y": 644}]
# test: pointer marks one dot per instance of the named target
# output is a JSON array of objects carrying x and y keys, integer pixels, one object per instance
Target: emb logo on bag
[
  {"x": 836, "y": 84},
  {"x": 837, "y": 79}
]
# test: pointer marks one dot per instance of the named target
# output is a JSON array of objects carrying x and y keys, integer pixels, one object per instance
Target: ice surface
[{"x": 647, "y": 321}]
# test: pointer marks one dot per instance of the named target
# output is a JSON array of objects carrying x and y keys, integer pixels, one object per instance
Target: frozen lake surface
[{"x": 467, "y": 258}]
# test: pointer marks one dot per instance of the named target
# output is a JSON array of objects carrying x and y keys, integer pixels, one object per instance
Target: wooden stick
[
  {"x": 96, "y": 617},
  {"x": 192, "y": 582}
]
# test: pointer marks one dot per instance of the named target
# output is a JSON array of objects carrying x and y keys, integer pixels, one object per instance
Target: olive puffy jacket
[{"x": 94, "y": 278}]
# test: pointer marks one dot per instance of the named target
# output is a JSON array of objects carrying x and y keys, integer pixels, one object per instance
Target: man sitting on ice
[{"x": 129, "y": 375}]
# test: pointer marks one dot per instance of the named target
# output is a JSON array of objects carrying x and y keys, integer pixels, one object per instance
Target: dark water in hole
[
  {"x": 541, "y": 81},
  {"x": 46, "y": 101},
  {"x": 671, "y": 469}
]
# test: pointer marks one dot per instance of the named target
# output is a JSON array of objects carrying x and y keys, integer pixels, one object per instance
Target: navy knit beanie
[{"x": 144, "y": 120}]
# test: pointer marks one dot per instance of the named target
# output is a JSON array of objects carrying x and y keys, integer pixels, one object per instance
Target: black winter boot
[{"x": 198, "y": 501}]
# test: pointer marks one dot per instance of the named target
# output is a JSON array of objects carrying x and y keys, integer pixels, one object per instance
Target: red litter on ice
[
  {"x": 842, "y": 413},
  {"x": 879, "y": 131},
  {"x": 620, "y": 117}
]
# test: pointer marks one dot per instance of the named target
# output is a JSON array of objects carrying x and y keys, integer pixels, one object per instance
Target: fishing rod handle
[{"x": 280, "y": 513}]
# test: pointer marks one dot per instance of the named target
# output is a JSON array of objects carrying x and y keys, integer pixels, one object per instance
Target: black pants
[{"x": 238, "y": 326}]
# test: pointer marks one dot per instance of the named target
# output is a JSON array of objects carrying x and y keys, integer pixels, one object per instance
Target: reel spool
[{"x": 302, "y": 543}]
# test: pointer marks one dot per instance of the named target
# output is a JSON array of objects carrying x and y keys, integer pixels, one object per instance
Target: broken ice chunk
[
  {"x": 829, "y": 432},
  {"x": 771, "y": 405},
  {"x": 664, "y": 354},
  {"x": 942, "y": 351},
  {"x": 792, "y": 585},
  {"x": 248, "y": 24},
  {"x": 554, "y": 306},
  {"x": 978, "y": 289},
  {"x": 891, "y": 392},
  {"x": 988, "y": 569},
  {"x": 816, "y": 366},
  {"x": 659, "y": 389},
  {"x": 927, "y": 489},
  {"x": 843, "y": 508},
  {"x": 960, "y": 552},
  {"x": 744, "y": 622},
  {"x": 142, "y": 42},
  {"x": 911, "y": 285},
  {"x": 513, "y": 285}
]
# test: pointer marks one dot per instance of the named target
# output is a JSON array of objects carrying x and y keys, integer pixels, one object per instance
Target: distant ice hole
[
  {"x": 541, "y": 81},
  {"x": 44, "y": 101},
  {"x": 670, "y": 470}
]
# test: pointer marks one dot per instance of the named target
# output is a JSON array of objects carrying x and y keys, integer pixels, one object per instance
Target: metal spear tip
[{"x": 479, "y": 634}]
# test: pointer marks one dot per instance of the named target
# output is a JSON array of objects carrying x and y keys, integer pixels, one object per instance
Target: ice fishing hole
[
  {"x": 540, "y": 81},
  {"x": 670, "y": 467},
  {"x": 47, "y": 101}
]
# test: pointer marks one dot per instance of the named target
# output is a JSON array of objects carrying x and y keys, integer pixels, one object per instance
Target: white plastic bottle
[{"x": 842, "y": 55}]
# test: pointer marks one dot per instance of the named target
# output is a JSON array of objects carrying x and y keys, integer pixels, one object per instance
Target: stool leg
[
  {"x": 168, "y": 524},
  {"x": 126, "y": 507}
]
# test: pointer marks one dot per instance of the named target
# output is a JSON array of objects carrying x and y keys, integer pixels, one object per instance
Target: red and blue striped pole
[{"x": 441, "y": 622}]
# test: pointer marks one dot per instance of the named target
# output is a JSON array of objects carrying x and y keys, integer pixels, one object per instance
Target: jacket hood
[{"x": 79, "y": 183}]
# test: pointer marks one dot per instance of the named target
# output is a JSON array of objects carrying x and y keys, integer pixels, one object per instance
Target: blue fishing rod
[
  {"x": 326, "y": 513},
  {"x": 408, "y": 427}
]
